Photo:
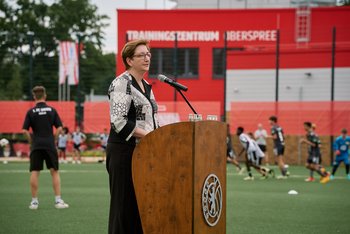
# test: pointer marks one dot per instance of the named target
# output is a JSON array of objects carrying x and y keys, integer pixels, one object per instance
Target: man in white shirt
[{"x": 260, "y": 137}]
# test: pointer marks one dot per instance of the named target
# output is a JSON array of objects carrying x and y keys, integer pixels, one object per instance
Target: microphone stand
[{"x": 188, "y": 103}]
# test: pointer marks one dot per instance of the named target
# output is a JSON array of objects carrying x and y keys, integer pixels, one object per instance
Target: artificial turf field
[{"x": 252, "y": 206}]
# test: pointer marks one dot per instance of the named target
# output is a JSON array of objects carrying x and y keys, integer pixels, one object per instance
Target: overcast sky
[{"x": 108, "y": 7}]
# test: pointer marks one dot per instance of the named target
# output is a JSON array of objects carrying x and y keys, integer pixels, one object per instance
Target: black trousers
[{"x": 124, "y": 215}]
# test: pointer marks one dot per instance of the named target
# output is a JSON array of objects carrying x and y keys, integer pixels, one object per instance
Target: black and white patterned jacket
[{"x": 130, "y": 108}]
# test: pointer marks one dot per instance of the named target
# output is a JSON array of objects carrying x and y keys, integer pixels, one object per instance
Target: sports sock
[
  {"x": 250, "y": 174},
  {"x": 311, "y": 174},
  {"x": 284, "y": 171},
  {"x": 335, "y": 167},
  {"x": 35, "y": 199},
  {"x": 321, "y": 173},
  {"x": 57, "y": 198},
  {"x": 347, "y": 168}
]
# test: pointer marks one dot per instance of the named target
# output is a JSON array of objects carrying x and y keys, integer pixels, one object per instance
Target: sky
[{"x": 108, "y": 7}]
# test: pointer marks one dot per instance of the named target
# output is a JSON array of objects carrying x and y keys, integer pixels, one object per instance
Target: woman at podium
[{"x": 133, "y": 114}]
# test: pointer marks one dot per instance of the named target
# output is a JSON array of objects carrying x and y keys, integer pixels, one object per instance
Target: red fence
[
  {"x": 329, "y": 117},
  {"x": 12, "y": 114},
  {"x": 96, "y": 114}
]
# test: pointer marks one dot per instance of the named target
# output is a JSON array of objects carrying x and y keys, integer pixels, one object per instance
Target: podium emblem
[{"x": 212, "y": 200}]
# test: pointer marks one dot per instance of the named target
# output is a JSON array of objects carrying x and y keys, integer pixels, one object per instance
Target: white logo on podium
[{"x": 212, "y": 200}]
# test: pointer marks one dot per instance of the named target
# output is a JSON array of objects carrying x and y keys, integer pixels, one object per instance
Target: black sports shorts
[
  {"x": 279, "y": 150},
  {"x": 263, "y": 148},
  {"x": 38, "y": 156},
  {"x": 77, "y": 146},
  {"x": 62, "y": 149},
  {"x": 314, "y": 158}
]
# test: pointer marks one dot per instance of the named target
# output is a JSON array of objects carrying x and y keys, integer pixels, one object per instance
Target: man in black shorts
[
  {"x": 278, "y": 141},
  {"x": 41, "y": 119},
  {"x": 314, "y": 157}
]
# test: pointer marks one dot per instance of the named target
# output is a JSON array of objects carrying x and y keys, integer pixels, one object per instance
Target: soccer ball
[{"x": 4, "y": 142}]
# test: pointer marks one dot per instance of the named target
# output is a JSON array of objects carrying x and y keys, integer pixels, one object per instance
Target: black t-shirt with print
[{"x": 41, "y": 119}]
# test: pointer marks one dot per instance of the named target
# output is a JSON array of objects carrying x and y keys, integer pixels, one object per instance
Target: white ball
[{"x": 4, "y": 142}]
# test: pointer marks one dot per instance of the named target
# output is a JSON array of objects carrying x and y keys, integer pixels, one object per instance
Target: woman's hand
[{"x": 139, "y": 133}]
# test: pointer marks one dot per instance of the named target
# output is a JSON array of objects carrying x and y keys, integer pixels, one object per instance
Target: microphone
[{"x": 173, "y": 83}]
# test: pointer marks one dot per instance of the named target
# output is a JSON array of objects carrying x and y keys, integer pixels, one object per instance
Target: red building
[{"x": 305, "y": 54}]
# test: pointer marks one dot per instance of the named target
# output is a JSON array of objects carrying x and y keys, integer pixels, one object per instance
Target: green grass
[{"x": 252, "y": 207}]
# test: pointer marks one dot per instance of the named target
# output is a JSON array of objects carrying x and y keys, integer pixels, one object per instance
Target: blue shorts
[{"x": 342, "y": 158}]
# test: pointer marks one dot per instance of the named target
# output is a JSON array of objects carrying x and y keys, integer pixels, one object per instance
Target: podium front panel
[
  {"x": 163, "y": 179},
  {"x": 179, "y": 174},
  {"x": 210, "y": 177}
]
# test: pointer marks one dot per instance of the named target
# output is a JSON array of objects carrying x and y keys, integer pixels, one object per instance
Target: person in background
[
  {"x": 104, "y": 140},
  {"x": 278, "y": 140},
  {"x": 41, "y": 119},
  {"x": 313, "y": 160},
  {"x": 5, "y": 146},
  {"x": 78, "y": 138},
  {"x": 62, "y": 145},
  {"x": 231, "y": 157},
  {"x": 311, "y": 177},
  {"x": 260, "y": 136},
  {"x": 253, "y": 155},
  {"x": 341, "y": 149}
]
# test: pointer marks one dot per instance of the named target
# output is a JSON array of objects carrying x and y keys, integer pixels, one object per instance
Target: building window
[
  {"x": 163, "y": 62},
  {"x": 218, "y": 63}
]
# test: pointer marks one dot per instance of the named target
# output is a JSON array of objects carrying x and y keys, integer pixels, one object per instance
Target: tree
[
  {"x": 49, "y": 24},
  {"x": 97, "y": 70},
  {"x": 344, "y": 2},
  {"x": 14, "y": 87}
]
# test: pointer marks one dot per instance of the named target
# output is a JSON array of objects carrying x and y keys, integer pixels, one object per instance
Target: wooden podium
[{"x": 179, "y": 174}]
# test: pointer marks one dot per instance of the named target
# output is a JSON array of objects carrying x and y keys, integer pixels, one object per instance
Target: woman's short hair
[{"x": 129, "y": 48}]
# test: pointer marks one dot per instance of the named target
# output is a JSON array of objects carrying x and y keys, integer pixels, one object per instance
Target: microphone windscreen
[{"x": 161, "y": 77}]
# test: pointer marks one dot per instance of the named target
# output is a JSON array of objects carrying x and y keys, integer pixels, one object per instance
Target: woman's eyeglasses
[{"x": 143, "y": 55}]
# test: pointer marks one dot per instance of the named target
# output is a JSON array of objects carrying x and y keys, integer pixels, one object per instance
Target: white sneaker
[
  {"x": 73, "y": 162},
  {"x": 248, "y": 178},
  {"x": 79, "y": 162},
  {"x": 34, "y": 205},
  {"x": 61, "y": 205}
]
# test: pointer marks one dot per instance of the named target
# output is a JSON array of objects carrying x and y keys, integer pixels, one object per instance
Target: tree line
[{"x": 36, "y": 25}]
